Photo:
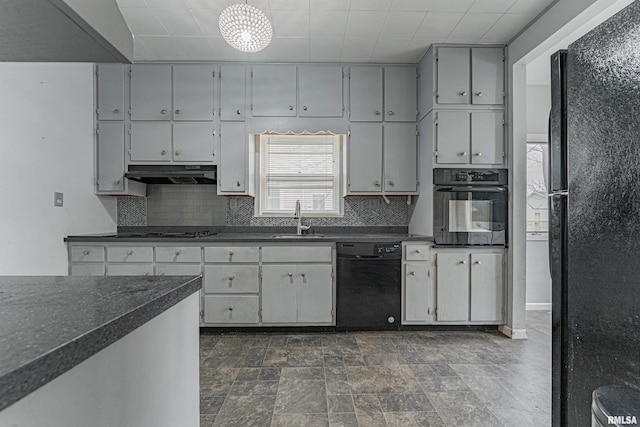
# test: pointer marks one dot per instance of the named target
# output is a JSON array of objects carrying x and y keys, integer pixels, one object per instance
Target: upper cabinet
[
  {"x": 469, "y": 76},
  {"x": 400, "y": 94},
  {"x": 232, "y": 92},
  {"x": 110, "y": 96},
  {"x": 150, "y": 92},
  {"x": 274, "y": 90},
  {"x": 365, "y": 94},
  {"x": 320, "y": 91},
  {"x": 193, "y": 92}
]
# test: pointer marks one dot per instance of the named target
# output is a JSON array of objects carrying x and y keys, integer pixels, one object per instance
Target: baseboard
[
  {"x": 515, "y": 334},
  {"x": 543, "y": 306}
]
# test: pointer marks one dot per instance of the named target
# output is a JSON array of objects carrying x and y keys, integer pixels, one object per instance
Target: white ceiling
[{"x": 325, "y": 30}]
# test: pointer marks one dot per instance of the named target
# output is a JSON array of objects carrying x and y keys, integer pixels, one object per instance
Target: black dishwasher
[{"x": 368, "y": 286}]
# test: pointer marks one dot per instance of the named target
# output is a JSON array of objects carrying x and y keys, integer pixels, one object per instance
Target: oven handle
[{"x": 472, "y": 189}]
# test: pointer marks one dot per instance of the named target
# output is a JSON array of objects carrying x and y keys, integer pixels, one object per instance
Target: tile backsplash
[{"x": 199, "y": 205}]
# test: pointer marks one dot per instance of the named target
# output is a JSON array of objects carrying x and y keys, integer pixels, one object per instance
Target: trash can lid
[{"x": 620, "y": 402}]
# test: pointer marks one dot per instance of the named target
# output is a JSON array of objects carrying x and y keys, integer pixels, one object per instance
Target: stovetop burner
[{"x": 177, "y": 234}]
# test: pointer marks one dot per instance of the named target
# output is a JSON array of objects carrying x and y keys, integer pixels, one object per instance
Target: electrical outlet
[{"x": 58, "y": 199}]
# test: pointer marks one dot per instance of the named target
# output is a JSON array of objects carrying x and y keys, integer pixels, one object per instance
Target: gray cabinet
[
  {"x": 236, "y": 166},
  {"x": 365, "y": 94},
  {"x": 418, "y": 302},
  {"x": 232, "y": 92},
  {"x": 193, "y": 92},
  {"x": 470, "y": 285},
  {"x": 110, "y": 161},
  {"x": 110, "y": 92},
  {"x": 320, "y": 91},
  {"x": 150, "y": 142},
  {"x": 470, "y": 75},
  {"x": 400, "y": 158},
  {"x": 150, "y": 92},
  {"x": 274, "y": 90},
  {"x": 464, "y": 137},
  {"x": 400, "y": 94},
  {"x": 194, "y": 142},
  {"x": 364, "y": 158}
]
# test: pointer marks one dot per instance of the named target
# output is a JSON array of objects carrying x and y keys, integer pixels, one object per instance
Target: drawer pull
[
  {"x": 391, "y": 113},
  {"x": 238, "y": 112},
  {"x": 87, "y": 252},
  {"x": 177, "y": 111},
  {"x": 412, "y": 273},
  {"x": 178, "y": 252},
  {"x": 377, "y": 112},
  {"x": 290, "y": 107},
  {"x": 303, "y": 274},
  {"x": 462, "y": 262},
  {"x": 418, "y": 251},
  {"x": 163, "y": 111},
  {"x": 117, "y": 110},
  {"x": 477, "y": 262},
  {"x": 163, "y": 152},
  {"x": 478, "y": 93},
  {"x": 231, "y": 278},
  {"x": 463, "y": 93},
  {"x": 129, "y": 253},
  {"x": 230, "y": 308}
]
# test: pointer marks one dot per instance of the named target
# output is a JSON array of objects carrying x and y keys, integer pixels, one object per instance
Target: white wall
[
  {"x": 538, "y": 274},
  {"x": 538, "y": 107},
  {"x": 46, "y": 137}
]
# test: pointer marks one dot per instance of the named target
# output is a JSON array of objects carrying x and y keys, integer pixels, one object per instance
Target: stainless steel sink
[{"x": 297, "y": 236}]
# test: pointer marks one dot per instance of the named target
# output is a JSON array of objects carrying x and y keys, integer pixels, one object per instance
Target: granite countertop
[
  {"x": 49, "y": 324},
  {"x": 256, "y": 234}
]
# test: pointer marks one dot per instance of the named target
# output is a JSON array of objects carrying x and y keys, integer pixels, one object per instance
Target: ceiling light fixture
[{"x": 245, "y": 27}]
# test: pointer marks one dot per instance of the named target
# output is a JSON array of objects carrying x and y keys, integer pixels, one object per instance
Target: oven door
[{"x": 470, "y": 215}]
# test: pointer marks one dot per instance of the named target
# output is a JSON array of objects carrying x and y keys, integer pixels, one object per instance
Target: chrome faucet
[{"x": 299, "y": 228}]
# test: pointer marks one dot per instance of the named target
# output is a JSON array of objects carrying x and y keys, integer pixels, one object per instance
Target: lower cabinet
[
  {"x": 470, "y": 285},
  {"x": 417, "y": 285}
]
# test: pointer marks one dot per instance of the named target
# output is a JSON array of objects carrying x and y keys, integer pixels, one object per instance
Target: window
[
  {"x": 304, "y": 167},
  {"x": 537, "y": 204}
]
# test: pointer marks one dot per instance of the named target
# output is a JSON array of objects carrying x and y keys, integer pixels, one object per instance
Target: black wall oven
[{"x": 470, "y": 206}]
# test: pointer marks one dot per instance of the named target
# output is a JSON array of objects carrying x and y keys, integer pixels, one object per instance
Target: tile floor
[{"x": 417, "y": 378}]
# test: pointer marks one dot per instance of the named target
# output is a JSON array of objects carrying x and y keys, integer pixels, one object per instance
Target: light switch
[{"x": 57, "y": 199}]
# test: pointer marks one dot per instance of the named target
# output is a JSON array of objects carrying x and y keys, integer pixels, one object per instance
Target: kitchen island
[{"x": 99, "y": 351}]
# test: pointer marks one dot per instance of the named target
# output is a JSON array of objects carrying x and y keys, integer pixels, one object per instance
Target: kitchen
[{"x": 104, "y": 213}]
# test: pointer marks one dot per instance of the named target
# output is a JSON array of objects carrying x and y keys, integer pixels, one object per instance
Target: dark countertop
[
  {"x": 256, "y": 234},
  {"x": 49, "y": 324}
]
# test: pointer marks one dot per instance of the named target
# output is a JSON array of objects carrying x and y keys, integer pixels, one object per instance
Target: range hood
[{"x": 172, "y": 174}]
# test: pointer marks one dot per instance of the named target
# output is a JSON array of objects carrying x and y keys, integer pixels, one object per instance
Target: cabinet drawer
[
  {"x": 231, "y": 254},
  {"x": 87, "y": 270},
  {"x": 87, "y": 253},
  {"x": 178, "y": 270},
  {"x": 291, "y": 254},
  {"x": 130, "y": 269},
  {"x": 231, "y": 279},
  {"x": 130, "y": 254},
  {"x": 417, "y": 252},
  {"x": 178, "y": 254},
  {"x": 231, "y": 309}
]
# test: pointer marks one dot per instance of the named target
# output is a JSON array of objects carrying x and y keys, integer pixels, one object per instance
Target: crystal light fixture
[{"x": 245, "y": 27}]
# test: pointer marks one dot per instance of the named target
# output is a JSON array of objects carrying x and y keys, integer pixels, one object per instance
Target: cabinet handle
[
  {"x": 463, "y": 262},
  {"x": 478, "y": 93},
  {"x": 178, "y": 152},
  {"x": 177, "y": 111},
  {"x": 238, "y": 112},
  {"x": 237, "y": 183},
  {"x": 87, "y": 252},
  {"x": 463, "y": 153},
  {"x": 392, "y": 184},
  {"x": 163, "y": 111},
  {"x": 117, "y": 110},
  {"x": 117, "y": 181},
  {"x": 230, "y": 253},
  {"x": 391, "y": 113},
  {"x": 477, "y": 262},
  {"x": 178, "y": 252},
  {"x": 378, "y": 112},
  {"x": 129, "y": 253},
  {"x": 418, "y": 251},
  {"x": 304, "y": 108},
  {"x": 231, "y": 278},
  {"x": 376, "y": 183},
  {"x": 290, "y": 107},
  {"x": 230, "y": 308},
  {"x": 463, "y": 93},
  {"x": 478, "y": 154},
  {"x": 163, "y": 152},
  {"x": 413, "y": 273},
  {"x": 303, "y": 275}
]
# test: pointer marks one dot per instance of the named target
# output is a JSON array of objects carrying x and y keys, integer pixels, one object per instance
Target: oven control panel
[
  {"x": 387, "y": 248},
  {"x": 470, "y": 176}
]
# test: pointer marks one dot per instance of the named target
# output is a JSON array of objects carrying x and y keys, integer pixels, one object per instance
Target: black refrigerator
[{"x": 594, "y": 202}]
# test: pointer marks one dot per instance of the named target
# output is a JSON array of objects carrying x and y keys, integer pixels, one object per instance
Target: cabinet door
[
  {"x": 151, "y": 92},
  {"x": 452, "y": 287},
  {"x": 150, "y": 142},
  {"x": 279, "y": 293},
  {"x": 418, "y": 290},
  {"x": 487, "y": 137},
  {"x": 400, "y": 157},
  {"x": 400, "y": 94},
  {"x": 232, "y": 92},
  {"x": 274, "y": 90},
  {"x": 110, "y": 153},
  {"x": 193, "y": 92},
  {"x": 453, "y": 78},
  {"x": 487, "y": 76},
  {"x": 365, "y": 158},
  {"x": 314, "y": 294},
  {"x": 453, "y": 134},
  {"x": 194, "y": 142},
  {"x": 233, "y": 158},
  {"x": 365, "y": 94},
  {"x": 320, "y": 91},
  {"x": 487, "y": 287},
  {"x": 110, "y": 92}
]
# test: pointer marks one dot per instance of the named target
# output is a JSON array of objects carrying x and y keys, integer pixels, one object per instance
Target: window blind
[{"x": 299, "y": 167}]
